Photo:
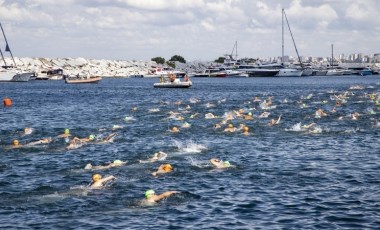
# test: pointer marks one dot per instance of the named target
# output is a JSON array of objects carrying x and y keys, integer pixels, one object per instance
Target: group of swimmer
[{"x": 245, "y": 116}]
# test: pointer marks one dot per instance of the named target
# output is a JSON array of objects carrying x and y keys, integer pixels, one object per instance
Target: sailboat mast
[
  {"x": 294, "y": 43},
  {"x": 7, "y": 46},
  {"x": 236, "y": 52},
  {"x": 332, "y": 55},
  {"x": 282, "y": 57}
]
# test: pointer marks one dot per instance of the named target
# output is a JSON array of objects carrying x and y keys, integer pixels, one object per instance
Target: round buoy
[{"x": 7, "y": 102}]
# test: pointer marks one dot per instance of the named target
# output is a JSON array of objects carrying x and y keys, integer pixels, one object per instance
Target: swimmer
[
  {"x": 210, "y": 116},
  {"x": 320, "y": 113},
  {"x": 160, "y": 156},
  {"x": 245, "y": 130},
  {"x": 355, "y": 116},
  {"x": 217, "y": 126},
  {"x": 65, "y": 134},
  {"x": 185, "y": 125},
  {"x": 115, "y": 127},
  {"x": 115, "y": 163},
  {"x": 164, "y": 168},
  {"x": 273, "y": 122},
  {"x": 98, "y": 181},
  {"x": 220, "y": 164},
  {"x": 264, "y": 115},
  {"x": 16, "y": 143},
  {"x": 230, "y": 128},
  {"x": 151, "y": 197},
  {"x": 28, "y": 131},
  {"x": 174, "y": 130},
  {"x": 311, "y": 125},
  {"x": 248, "y": 116},
  {"x": 109, "y": 138},
  {"x": 42, "y": 141}
]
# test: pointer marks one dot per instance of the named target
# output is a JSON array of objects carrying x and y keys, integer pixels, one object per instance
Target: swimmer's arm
[
  {"x": 164, "y": 195},
  {"x": 105, "y": 180},
  {"x": 279, "y": 119}
]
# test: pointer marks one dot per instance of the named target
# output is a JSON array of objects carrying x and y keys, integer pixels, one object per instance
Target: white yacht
[{"x": 289, "y": 72}]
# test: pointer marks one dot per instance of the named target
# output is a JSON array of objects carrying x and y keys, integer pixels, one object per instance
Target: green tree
[
  {"x": 220, "y": 60},
  {"x": 171, "y": 64},
  {"x": 178, "y": 58},
  {"x": 158, "y": 60}
]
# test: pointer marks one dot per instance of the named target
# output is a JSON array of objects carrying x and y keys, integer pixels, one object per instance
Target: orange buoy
[{"x": 7, "y": 102}]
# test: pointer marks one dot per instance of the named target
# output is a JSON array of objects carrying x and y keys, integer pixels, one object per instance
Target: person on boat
[
  {"x": 65, "y": 134},
  {"x": 220, "y": 164},
  {"x": 98, "y": 181},
  {"x": 159, "y": 156},
  {"x": 230, "y": 128},
  {"x": 115, "y": 163},
  {"x": 172, "y": 77},
  {"x": 151, "y": 197},
  {"x": 186, "y": 78},
  {"x": 164, "y": 168}
]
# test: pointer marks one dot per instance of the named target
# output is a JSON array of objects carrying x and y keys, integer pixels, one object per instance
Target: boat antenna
[
  {"x": 294, "y": 43},
  {"x": 7, "y": 49}
]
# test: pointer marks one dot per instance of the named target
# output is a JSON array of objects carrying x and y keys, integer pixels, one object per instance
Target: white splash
[{"x": 189, "y": 146}]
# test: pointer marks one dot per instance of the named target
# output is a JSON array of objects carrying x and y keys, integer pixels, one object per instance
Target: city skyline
[{"x": 194, "y": 29}]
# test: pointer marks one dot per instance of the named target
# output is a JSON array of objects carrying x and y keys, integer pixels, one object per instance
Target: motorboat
[
  {"x": 81, "y": 79},
  {"x": 173, "y": 82},
  {"x": 163, "y": 71},
  {"x": 289, "y": 73},
  {"x": 211, "y": 72},
  {"x": 262, "y": 72},
  {"x": 50, "y": 74}
]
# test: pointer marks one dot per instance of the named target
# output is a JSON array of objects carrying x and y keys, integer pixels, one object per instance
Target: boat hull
[
  {"x": 173, "y": 84},
  {"x": 262, "y": 73},
  {"x": 289, "y": 73},
  {"x": 83, "y": 81}
]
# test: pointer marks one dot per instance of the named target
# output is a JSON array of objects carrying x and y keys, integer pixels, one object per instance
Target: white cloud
[{"x": 197, "y": 29}]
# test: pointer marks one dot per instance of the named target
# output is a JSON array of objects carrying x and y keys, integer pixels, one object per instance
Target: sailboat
[
  {"x": 288, "y": 72},
  {"x": 9, "y": 72}
]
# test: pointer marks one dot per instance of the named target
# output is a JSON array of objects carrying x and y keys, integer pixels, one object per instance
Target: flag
[{"x": 7, "y": 48}]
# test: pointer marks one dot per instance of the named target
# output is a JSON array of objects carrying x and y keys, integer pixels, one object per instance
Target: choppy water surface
[{"x": 286, "y": 176}]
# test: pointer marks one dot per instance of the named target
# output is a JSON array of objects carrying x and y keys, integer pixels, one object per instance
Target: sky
[{"x": 195, "y": 29}]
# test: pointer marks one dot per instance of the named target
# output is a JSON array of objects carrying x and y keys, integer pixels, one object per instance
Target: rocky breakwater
[{"x": 82, "y": 66}]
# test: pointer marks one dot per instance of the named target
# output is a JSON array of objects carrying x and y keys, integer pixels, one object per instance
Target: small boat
[
  {"x": 287, "y": 72},
  {"x": 211, "y": 72},
  {"x": 82, "y": 80},
  {"x": 173, "y": 82}
]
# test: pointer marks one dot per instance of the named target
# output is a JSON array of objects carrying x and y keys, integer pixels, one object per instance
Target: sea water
[{"x": 285, "y": 176}]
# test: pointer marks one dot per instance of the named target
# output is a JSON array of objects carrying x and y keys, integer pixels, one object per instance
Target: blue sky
[{"x": 194, "y": 29}]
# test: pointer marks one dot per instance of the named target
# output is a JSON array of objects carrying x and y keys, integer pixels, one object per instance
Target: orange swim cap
[
  {"x": 15, "y": 142},
  {"x": 167, "y": 168},
  {"x": 245, "y": 129},
  {"x": 96, "y": 177}
]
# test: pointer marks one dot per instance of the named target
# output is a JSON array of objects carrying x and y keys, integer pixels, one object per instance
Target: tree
[
  {"x": 171, "y": 64},
  {"x": 158, "y": 60},
  {"x": 178, "y": 58},
  {"x": 220, "y": 60}
]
